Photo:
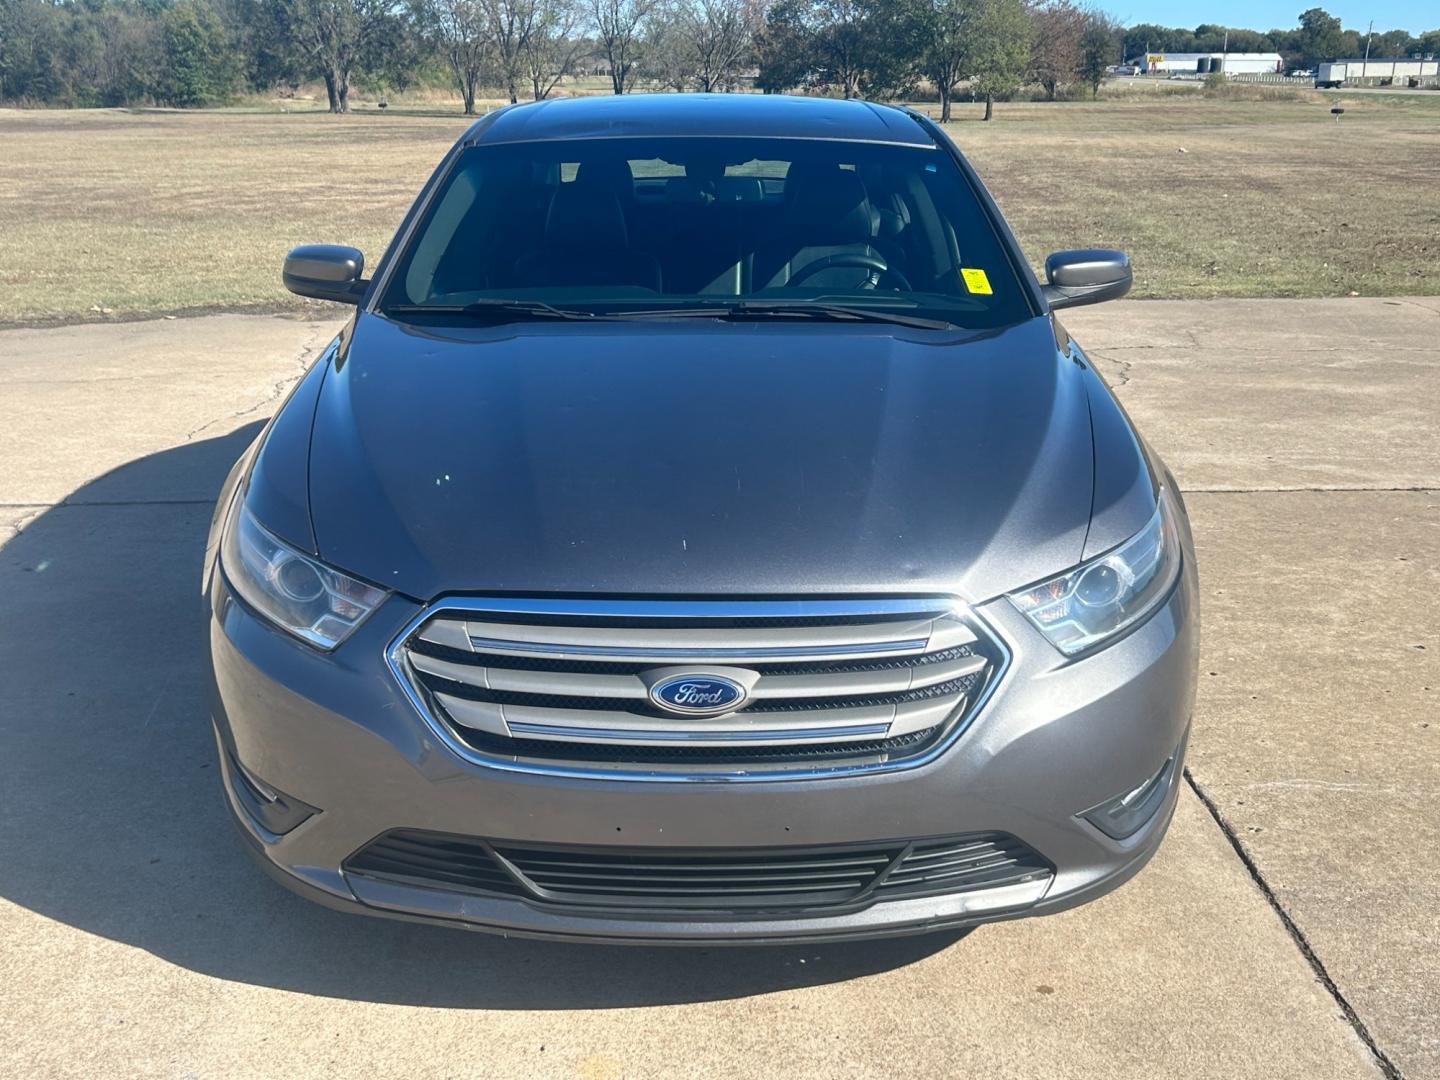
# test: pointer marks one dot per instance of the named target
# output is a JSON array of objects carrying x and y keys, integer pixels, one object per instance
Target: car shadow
[{"x": 112, "y": 816}]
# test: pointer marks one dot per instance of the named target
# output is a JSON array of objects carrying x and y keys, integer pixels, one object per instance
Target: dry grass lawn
[{"x": 115, "y": 213}]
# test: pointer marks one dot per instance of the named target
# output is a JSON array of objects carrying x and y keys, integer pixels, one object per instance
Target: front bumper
[{"x": 1056, "y": 738}]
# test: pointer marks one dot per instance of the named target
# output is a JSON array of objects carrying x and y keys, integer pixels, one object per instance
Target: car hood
[{"x": 697, "y": 457}]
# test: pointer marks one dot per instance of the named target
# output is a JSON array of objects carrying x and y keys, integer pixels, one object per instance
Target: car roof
[{"x": 699, "y": 115}]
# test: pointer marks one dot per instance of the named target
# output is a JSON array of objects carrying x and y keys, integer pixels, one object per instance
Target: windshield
[{"x": 697, "y": 227}]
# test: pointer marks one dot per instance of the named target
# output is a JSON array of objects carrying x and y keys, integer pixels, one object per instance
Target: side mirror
[
  {"x": 325, "y": 272},
  {"x": 1086, "y": 276}
]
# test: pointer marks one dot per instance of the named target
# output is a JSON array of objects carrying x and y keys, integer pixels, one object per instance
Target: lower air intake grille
[
  {"x": 803, "y": 685},
  {"x": 746, "y": 879}
]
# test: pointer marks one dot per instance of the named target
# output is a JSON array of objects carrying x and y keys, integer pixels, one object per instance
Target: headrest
[
  {"x": 611, "y": 172},
  {"x": 682, "y": 191},
  {"x": 744, "y": 189},
  {"x": 829, "y": 206},
  {"x": 586, "y": 216},
  {"x": 892, "y": 216}
]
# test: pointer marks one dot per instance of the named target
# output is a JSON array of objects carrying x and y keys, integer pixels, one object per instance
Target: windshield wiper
[
  {"x": 497, "y": 306},
  {"x": 839, "y": 311},
  {"x": 503, "y": 308},
  {"x": 788, "y": 309}
]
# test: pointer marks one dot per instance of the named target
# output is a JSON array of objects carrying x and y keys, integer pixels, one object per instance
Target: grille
[
  {"x": 752, "y": 879},
  {"x": 828, "y": 683}
]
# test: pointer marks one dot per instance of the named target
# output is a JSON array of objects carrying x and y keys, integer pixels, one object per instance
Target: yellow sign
[
  {"x": 976, "y": 281},
  {"x": 1155, "y": 58}
]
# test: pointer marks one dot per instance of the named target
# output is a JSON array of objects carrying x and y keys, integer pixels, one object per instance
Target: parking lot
[{"x": 1290, "y": 927}]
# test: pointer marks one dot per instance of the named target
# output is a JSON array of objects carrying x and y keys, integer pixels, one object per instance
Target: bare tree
[
  {"x": 619, "y": 30},
  {"x": 1056, "y": 51},
  {"x": 554, "y": 45},
  {"x": 460, "y": 30},
  {"x": 720, "y": 33},
  {"x": 669, "y": 51},
  {"x": 338, "y": 37},
  {"x": 508, "y": 25}
]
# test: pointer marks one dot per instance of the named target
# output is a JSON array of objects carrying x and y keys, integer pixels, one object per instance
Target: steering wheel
[{"x": 877, "y": 266}]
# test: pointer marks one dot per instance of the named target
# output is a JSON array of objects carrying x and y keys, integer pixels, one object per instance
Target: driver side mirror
[
  {"x": 1086, "y": 276},
  {"x": 325, "y": 272}
]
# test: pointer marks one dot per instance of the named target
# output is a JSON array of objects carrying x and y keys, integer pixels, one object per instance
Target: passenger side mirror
[
  {"x": 1086, "y": 276},
  {"x": 325, "y": 272}
]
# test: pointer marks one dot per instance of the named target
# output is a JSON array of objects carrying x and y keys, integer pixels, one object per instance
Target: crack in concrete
[
  {"x": 1382, "y": 1060},
  {"x": 19, "y": 523},
  {"x": 1399, "y": 301},
  {"x": 277, "y": 391},
  {"x": 1122, "y": 377}
]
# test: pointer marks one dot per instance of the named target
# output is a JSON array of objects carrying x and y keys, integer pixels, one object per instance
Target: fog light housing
[
  {"x": 272, "y": 811},
  {"x": 1123, "y": 816}
]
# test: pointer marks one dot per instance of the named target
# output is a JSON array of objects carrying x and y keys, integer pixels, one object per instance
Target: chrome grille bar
[{"x": 536, "y": 684}]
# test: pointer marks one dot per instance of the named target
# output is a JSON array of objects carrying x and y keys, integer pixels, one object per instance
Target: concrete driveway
[{"x": 1290, "y": 927}]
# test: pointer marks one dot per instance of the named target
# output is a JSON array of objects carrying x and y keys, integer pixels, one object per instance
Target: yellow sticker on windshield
[{"x": 976, "y": 281}]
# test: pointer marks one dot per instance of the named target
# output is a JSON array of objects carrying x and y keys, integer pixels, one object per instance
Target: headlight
[
  {"x": 295, "y": 592},
  {"x": 1099, "y": 598}
]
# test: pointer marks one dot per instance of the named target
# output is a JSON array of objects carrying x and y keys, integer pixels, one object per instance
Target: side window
[{"x": 437, "y": 238}]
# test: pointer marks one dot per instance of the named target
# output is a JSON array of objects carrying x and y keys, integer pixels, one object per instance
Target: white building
[
  {"x": 1235, "y": 63},
  {"x": 1395, "y": 68}
]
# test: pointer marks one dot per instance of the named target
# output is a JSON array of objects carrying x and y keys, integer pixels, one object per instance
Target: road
[{"x": 1290, "y": 926}]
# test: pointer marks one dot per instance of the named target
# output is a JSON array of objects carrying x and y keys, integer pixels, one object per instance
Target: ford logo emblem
[{"x": 698, "y": 695}]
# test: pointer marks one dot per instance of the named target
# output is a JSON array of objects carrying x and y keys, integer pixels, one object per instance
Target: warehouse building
[{"x": 1235, "y": 63}]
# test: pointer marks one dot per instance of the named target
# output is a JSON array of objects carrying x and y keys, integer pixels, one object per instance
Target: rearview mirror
[
  {"x": 325, "y": 272},
  {"x": 1086, "y": 276}
]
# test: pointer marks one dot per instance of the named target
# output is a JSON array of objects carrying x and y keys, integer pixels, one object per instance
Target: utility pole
[{"x": 1365, "y": 66}]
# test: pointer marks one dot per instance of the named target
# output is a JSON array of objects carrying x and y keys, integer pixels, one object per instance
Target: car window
[{"x": 610, "y": 225}]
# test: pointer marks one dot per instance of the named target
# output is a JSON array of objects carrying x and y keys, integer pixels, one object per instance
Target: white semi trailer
[{"x": 1337, "y": 73}]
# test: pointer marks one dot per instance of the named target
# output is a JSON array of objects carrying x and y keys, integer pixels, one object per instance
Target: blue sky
[{"x": 1412, "y": 15}]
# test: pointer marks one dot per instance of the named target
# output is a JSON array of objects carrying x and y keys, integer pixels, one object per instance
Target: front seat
[
  {"x": 828, "y": 213},
  {"x": 586, "y": 242}
]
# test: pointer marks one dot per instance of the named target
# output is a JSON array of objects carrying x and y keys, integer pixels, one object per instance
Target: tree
[
  {"x": 265, "y": 48},
  {"x": 669, "y": 51},
  {"x": 716, "y": 35},
  {"x": 619, "y": 31},
  {"x": 1098, "y": 46},
  {"x": 510, "y": 24},
  {"x": 1145, "y": 38},
  {"x": 1242, "y": 40},
  {"x": 1320, "y": 37},
  {"x": 896, "y": 35},
  {"x": 459, "y": 30},
  {"x": 1393, "y": 43},
  {"x": 782, "y": 46},
  {"x": 200, "y": 67},
  {"x": 841, "y": 45},
  {"x": 341, "y": 37},
  {"x": 997, "y": 49},
  {"x": 554, "y": 45},
  {"x": 945, "y": 57},
  {"x": 826, "y": 43},
  {"x": 1056, "y": 51}
]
